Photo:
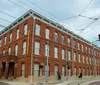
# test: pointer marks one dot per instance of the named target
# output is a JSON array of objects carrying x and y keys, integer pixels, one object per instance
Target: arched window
[{"x": 24, "y": 48}]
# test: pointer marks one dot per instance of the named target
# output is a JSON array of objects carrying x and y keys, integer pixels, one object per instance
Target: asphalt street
[
  {"x": 95, "y": 83},
  {"x": 1, "y": 83}
]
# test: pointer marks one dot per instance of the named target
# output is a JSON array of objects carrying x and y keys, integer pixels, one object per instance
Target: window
[
  {"x": 78, "y": 46},
  {"x": 83, "y": 58},
  {"x": 47, "y": 50},
  {"x": 62, "y": 39},
  {"x": 16, "y": 50},
  {"x": 63, "y": 70},
  {"x": 69, "y": 55},
  {"x": 74, "y": 44},
  {"x": 47, "y": 32},
  {"x": 36, "y": 69},
  {"x": 82, "y": 48},
  {"x": 69, "y": 42},
  {"x": 55, "y": 70},
  {"x": 4, "y": 52},
  {"x": 86, "y": 49},
  {"x": 63, "y": 54},
  {"x": 56, "y": 52},
  {"x": 90, "y": 60},
  {"x": 0, "y": 42},
  {"x": 74, "y": 56},
  {"x": 17, "y": 34},
  {"x": 55, "y": 36},
  {"x": 79, "y": 58},
  {"x": 25, "y": 29},
  {"x": 23, "y": 70},
  {"x": 24, "y": 47},
  {"x": 37, "y": 30},
  {"x": 87, "y": 60},
  {"x": 9, "y": 51},
  {"x": 37, "y": 47},
  {"x": 89, "y": 50},
  {"x": 5, "y": 39},
  {"x": 10, "y": 37}
]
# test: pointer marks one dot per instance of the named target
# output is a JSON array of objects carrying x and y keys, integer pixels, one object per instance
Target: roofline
[{"x": 46, "y": 20}]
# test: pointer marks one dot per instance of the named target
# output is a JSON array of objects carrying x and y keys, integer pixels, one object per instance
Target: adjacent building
[{"x": 63, "y": 48}]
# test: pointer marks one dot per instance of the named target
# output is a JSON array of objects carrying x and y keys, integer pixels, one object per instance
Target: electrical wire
[
  {"x": 17, "y": 4},
  {"x": 7, "y": 14},
  {"x": 86, "y": 7},
  {"x": 5, "y": 20},
  {"x": 42, "y": 9},
  {"x": 2, "y": 26}
]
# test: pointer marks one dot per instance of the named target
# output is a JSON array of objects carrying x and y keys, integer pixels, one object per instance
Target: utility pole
[
  {"x": 47, "y": 61},
  {"x": 66, "y": 66},
  {"x": 72, "y": 56},
  {"x": 32, "y": 53}
]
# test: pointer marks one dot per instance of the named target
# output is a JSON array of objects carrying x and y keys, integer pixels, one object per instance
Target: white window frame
[
  {"x": 16, "y": 50},
  {"x": 78, "y": 46},
  {"x": 79, "y": 57},
  {"x": 36, "y": 70},
  {"x": 83, "y": 58},
  {"x": 69, "y": 42},
  {"x": 62, "y": 39},
  {"x": 5, "y": 40},
  {"x": 69, "y": 55},
  {"x": 9, "y": 50},
  {"x": 63, "y": 70},
  {"x": 37, "y": 48},
  {"x": 23, "y": 70},
  {"x": 55, "y": 37},
  {"x": 25, "y": 29},
  {"x": 17, "y": 33},
  {"x": 24, "y": 48},
  {"x": 74, "y": 56},
  {"x": 4, "y": 52},
  {"x": 10, "y": 37},
  {"x": 63, "y": 53},
  {"x": 47, "y": 33},
  {"x": 56, "y": 52},
  {"x": 55, "y": 70},
  {"x": 38, "y": 29}
]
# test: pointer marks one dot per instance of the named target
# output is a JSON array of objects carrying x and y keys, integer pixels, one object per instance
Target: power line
[
  {"x": 5, "y": 20},
  {"x": 70, "y": 17},
  {"x": 87, "y": 17},
  {"x": 17, "y": 4},
  {"x": 7, "y": 14},
  {"x": 85, "y": 7},
  {"x": 41, "y": 9},
  {"x": 2, "y": 26}
]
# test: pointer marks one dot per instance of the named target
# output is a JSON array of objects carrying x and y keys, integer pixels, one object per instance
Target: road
[
  {"x": 95, "y": 83},
  {"x": 1, "y": 83}
]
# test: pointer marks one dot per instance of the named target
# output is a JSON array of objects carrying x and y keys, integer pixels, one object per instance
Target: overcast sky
[{"x": 59, "y": 11}]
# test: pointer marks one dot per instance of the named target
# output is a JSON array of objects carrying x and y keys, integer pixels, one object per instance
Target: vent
[
  {"x": 26, "y": 15},
  {"x": 53, "y": 24},
  {"x": 46, "y": 20},
  {"x": 20, "y": 20},
  {"x": 37, "y": 16}
]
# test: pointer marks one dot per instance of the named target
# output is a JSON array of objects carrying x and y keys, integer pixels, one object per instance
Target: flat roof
[{"x": 39, "y": 16}]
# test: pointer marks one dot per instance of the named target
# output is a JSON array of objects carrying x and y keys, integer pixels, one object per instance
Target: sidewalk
[{"x": 84, "y": 81}]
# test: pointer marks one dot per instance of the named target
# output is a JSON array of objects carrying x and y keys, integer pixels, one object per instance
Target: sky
[{"x": 65, "y": 12}]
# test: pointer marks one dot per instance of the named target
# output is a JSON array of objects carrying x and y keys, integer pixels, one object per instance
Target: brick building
[{"x": 50, "y": 39}]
